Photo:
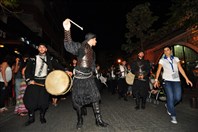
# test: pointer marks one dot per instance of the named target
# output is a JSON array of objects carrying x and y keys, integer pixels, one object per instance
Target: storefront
[{"x": 184, "y": 46}]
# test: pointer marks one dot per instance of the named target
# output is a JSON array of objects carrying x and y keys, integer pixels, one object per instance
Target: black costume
[
  {"x": 112, "y": 80},
  {"x": 36, "y": 97},
  {"x": 84, "y": 90},
  {"x": 140, "y": 86},
  {"x": 122, "y": 85}
]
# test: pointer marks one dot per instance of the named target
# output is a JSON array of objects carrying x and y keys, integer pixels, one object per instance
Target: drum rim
[{"x": 67, "y": 87}]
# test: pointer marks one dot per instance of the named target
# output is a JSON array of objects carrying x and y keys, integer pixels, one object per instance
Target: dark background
[{"x": 107, "y": 19}]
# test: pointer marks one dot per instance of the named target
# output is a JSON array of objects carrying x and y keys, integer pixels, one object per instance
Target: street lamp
[{"x": 119, "y": 60}]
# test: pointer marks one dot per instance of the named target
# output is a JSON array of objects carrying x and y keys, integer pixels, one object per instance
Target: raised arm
[{"x": 69, "y": 45}]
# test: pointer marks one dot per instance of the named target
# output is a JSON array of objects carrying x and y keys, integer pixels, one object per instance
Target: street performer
[
  {"x": 36, "y": 96},
  {"x": 141, "y": 68},
  {"x": 84, "y": 90}
]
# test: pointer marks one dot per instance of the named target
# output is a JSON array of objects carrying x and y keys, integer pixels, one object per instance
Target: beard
[{"x": 42, "y": 53}]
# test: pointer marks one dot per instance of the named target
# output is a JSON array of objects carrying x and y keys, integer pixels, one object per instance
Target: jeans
[
  {"x": 17, "y": 86},
  {"x": 173, "y": 94}
]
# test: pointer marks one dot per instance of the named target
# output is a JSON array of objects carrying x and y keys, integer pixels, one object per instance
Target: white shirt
[
  {"x": 39, "y": 62},
  {"x": 170, "y": 68},
  {"x": 8, "y": 73},
  {"x": 112, "y": 74},
  {"x": 123, "y": 71}
]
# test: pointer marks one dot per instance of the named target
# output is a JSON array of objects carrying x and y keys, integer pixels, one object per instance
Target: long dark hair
[{"x": 10, "y": 59}]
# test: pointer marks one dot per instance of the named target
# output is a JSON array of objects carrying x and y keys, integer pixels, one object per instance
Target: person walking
[{"x": 172, "y": 84}]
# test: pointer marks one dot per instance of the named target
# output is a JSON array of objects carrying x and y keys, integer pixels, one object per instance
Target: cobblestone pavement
[{"x": 120, "y": 114}]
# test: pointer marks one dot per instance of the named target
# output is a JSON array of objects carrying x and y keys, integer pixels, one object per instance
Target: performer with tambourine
[
  {"x": 141, "y": 68},
  {"x": 84, "y": 90}
]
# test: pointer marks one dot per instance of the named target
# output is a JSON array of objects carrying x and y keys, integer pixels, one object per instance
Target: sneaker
[
  {"x": 167, "y": 110},
  {"x": 173, "y": 120}
]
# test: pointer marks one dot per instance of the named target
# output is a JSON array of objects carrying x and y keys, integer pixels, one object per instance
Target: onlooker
[
  {"x": 172, "y": 84},
  {"x": 5, "y": 77},
  {"x": 20, "y": 108},
  {"x": 122, "y": 85}
]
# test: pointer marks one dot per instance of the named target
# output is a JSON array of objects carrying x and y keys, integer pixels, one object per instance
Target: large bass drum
[{"x": 58, "y": 82}]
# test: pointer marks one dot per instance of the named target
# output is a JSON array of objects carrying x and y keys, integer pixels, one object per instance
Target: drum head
[
  {"x": 130, "y": 78},
  {"x": 57, "y": 82}
]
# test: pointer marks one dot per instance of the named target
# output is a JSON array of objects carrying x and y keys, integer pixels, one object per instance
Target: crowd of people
[{"x": 23, "y": 78}]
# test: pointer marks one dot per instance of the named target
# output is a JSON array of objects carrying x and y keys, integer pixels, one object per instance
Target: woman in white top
[
  {"x": 5, "y": 77},
  {"x": 171, "y": 68}
]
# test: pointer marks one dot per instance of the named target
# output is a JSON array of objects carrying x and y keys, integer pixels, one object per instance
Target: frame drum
[
  {"x": 58, "y": 82},
  {"x": 130, "y": 78}
]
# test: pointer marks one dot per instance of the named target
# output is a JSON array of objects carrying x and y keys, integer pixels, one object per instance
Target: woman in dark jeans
[{"x": 172, "y": 83}]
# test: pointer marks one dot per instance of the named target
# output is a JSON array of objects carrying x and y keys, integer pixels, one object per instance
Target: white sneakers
[
  {"x": 173, "y": 120},
  {"x": 167, "y": 110}
]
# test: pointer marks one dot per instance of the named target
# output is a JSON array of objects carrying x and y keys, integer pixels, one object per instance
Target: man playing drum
[
  {"x": 36, "y": 96},
  {"x": 84, "y": 90}
]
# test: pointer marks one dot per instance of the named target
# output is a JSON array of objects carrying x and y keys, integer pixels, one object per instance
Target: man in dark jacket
[
  {"x": 36, "y": 96},
  {"x": 141, "y": 68}
]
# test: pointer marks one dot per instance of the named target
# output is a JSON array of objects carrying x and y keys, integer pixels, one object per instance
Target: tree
[
  {"x": 8, "y": 6},
  {"x": 139, "y": 25},
  {"x": 184, "y": 14}
]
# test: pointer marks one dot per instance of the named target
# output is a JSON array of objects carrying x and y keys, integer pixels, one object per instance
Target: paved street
[{"x": 120, "y": 114}]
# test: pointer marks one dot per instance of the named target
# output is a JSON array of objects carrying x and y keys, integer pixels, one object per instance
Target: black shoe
[
  {"x": 143, "y": 107},
  {"x": 125, "y": 99},
  {"x": 42, "y": 117},
  {"x": 137, "y": 107},
  {"x": 101, "y": 123},
  {"x": 79, "y": 123},
  {"x": 30, "y": 121},
  {"x": 43, "y": 120}
]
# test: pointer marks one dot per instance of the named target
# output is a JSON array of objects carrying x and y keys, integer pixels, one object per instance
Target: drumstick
[
  {"x": 39, "y": 84},
  {"x": 76, "y": 24}
]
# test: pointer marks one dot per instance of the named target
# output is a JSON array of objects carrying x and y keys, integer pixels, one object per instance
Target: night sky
[{"x": 107, "y": 19}]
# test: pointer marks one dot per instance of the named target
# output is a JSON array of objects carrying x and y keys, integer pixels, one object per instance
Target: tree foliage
[
  {"x": 9, "y": 3},
  {"x": 9, "y": 6},
  {"x": 183, "y": 14},
  {"x": 139, "y": 25}
]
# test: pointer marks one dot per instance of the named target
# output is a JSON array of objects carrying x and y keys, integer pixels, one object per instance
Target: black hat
[
  {"x": 89, "y": 36},
  {"x": 140, "y": 51},
  {"x": 42, "y": 44}
]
